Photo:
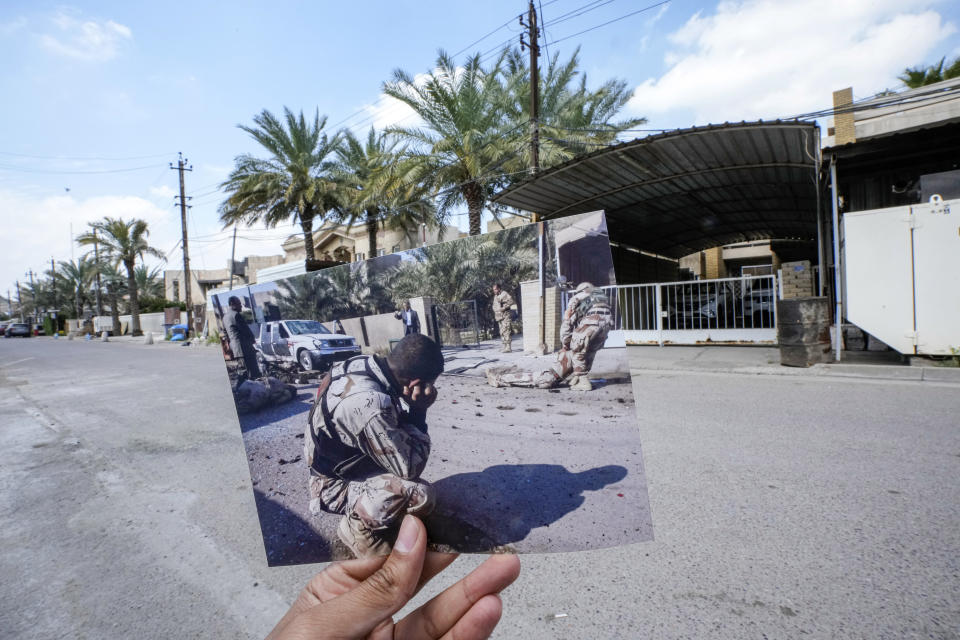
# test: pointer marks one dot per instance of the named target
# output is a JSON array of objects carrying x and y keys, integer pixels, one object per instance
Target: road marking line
[{"x": 10, "y": 364}]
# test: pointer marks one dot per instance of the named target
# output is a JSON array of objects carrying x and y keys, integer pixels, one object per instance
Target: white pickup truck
[{"x": 305, "y": 342}]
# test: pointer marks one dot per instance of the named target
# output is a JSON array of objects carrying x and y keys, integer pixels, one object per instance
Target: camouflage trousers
[
  {"x": 380, "y": 501},
  {"x": 506, "y": 330},
  {"x": 577, "y": 359}
]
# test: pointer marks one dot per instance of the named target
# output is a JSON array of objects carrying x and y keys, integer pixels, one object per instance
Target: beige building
[
  {"x": 351, "y": 244},
  {"x": 203, "y": 280}
]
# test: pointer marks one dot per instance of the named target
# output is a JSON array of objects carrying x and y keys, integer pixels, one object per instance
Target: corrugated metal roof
[{"x": 690, "y": 189}]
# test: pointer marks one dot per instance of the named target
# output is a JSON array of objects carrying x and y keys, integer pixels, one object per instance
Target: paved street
[{"x": 783, "y": 506}]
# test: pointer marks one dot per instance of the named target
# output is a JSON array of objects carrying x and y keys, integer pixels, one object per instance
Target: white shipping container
[{"x": 901, "y": 269}]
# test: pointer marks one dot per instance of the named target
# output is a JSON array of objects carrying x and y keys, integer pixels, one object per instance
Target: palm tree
[
  {"x": 123, "y": 242},
  {"x": 921, "y": 76},
  {"x": 75, "y": 278},
  {"x": 462, "y": 147},
  {"x": 293, "y": 182},
  {"x": 114, "y": 283},
  {"x": 376, "y": 188},
  {"x": 338, "y": 292},
  {"x": 573, "y": 118},
  {"x": 149, "y": 281}
]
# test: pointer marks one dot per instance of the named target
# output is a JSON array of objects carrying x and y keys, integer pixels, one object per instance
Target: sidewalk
[{"x": 766, "y": 361}]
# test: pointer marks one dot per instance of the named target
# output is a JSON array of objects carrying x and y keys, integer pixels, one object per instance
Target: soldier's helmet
[{"x": 585, "y": 286}]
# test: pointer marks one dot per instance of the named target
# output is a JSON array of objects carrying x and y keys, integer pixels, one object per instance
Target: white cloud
[
  {"x": 88, "y": 40},
  {"x": 163, "y": 192},
  {"x": 777, "y": 58},
  {"x": 42, "y": 225}
]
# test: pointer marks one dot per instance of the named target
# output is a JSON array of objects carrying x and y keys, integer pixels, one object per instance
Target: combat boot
[
  {"x": 363, "y": 541},
  {"x": 581, "y": 383}
]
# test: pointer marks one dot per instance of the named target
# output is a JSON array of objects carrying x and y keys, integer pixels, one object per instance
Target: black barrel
[{"x": 804, "y": 331}]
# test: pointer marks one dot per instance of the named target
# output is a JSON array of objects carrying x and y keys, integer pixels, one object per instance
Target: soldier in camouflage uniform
[
  {"x": 586, "y": 322},
  {"x": 502, "y": 305},
  {"x": 367, "y": 444}
]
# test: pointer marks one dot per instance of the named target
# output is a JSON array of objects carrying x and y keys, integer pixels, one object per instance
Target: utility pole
[
  {"x": 181, "y": 167},
  {"x": 33, "y": 295},
  {"x": 19, "y": 301},
  {"x": 96, "y": 264},
  {"x": 534, "y": 46},
  {"x": 53, "y": 274},
  {"x": 233, "y": 250}
]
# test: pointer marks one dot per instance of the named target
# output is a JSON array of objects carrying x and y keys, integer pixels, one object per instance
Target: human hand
[
  {"x": 419, "y": 395},
  {"x": 357, "y": 598}
]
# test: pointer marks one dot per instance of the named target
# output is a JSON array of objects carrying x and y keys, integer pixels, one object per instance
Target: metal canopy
[{"x": 687, "y": 190}]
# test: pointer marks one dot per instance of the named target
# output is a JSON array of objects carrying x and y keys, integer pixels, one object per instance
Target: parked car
[
  {"x": 3, "y": 327},
  {"x": 18, "y": 329},
  {"x": 758, "y": 305},
  {"x": 702, "y": 305},
  {"x": 306, "y": 343}
]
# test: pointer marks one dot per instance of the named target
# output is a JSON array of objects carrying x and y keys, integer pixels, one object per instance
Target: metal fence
[
  {"x": 741, "y": 310},
  {"x": 456, "y": 323}
]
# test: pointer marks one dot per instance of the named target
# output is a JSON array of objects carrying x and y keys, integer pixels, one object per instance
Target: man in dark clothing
[
  {"x": 411, "y": 321},
  {"x": 241, "y": 338}
]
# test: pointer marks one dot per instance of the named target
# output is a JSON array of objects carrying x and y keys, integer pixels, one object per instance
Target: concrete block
[{"x": 804, "y": 355}]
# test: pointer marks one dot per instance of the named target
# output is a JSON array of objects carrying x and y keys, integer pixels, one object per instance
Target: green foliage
[
  {"x": 914, "y": 77},
  {"x": 156, "y": 304},
  {"x": 213, "y": 337},
  {"x": 476, "y": 135},
  {"x": 149, "y": 281},
  {"x": 464, "y": 269},
  {"x": 123, "y": 242},
  {"x": 293, "y": 182},
  {"x": 49, "y": 326}
]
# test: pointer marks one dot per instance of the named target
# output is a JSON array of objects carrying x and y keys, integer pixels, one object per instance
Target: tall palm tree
[
  {"x": 149, "y": 281},
  {"x": 573, "y": 119},
  {"x": 115, "y": 286},
  {"x": 377, "y": 188},
  {"x": 123, "y": 242},
  {"x": 461, "y": 149},
  {"x": 294, "y": 182},
  {"x": 75, "y": 278}
]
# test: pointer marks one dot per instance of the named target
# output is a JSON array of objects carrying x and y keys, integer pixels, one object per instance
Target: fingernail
[{"x": 407, "y": 537}]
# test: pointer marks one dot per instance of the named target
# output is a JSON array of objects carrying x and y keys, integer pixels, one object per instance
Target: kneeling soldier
[{"x": 367, "y": 442}]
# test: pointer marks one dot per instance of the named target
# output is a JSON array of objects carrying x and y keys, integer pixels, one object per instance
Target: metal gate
[
  {"x": 727, "y": 310},
  {"x": 456, "y": 324}
]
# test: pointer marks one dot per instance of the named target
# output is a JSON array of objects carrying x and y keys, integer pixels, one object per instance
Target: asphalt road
[{"x": 783, "y": 506}]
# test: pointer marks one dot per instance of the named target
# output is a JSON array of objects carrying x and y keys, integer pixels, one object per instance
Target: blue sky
[{"x": 100, "y": 96}]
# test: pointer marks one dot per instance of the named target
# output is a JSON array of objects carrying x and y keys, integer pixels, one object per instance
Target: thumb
[{"x": 359, "y": 611}]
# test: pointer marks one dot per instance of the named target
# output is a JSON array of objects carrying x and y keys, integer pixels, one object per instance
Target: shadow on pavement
[
  {"x": 488, "y": 510},
  {"x": 288, "y": 538}
]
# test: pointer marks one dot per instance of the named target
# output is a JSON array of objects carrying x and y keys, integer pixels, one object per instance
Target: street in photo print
[{"x": 480, "y": 384}]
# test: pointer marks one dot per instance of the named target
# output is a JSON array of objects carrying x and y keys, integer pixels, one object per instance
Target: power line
[
  {"x": 623, "y": 17},
  {"x": 25, "y": 170},
  {"x": 26, "y": 155}
]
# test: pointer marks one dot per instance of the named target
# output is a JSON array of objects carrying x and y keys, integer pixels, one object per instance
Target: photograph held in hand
[{"x": 480, "y": 384}]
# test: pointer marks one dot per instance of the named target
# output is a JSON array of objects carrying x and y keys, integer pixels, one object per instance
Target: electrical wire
[
  {"x": 623, "y": 17},
  {"x": 26, "y": 155},
  {"x": 48, "y": 171}
]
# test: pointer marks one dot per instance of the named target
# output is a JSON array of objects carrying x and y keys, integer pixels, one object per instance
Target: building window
[
  {"x": 395, "y": 249},
  {"x": 176, "y": 291},
  {"x": 359, "y": 257},
  {"x": 381, "y": 252}
]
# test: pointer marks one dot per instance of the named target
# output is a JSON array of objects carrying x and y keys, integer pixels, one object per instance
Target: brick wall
[
  {"x": 797, "y": 278},
  {"x": 530, "y": 303},
  {"x": 844, "y": 131}
]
